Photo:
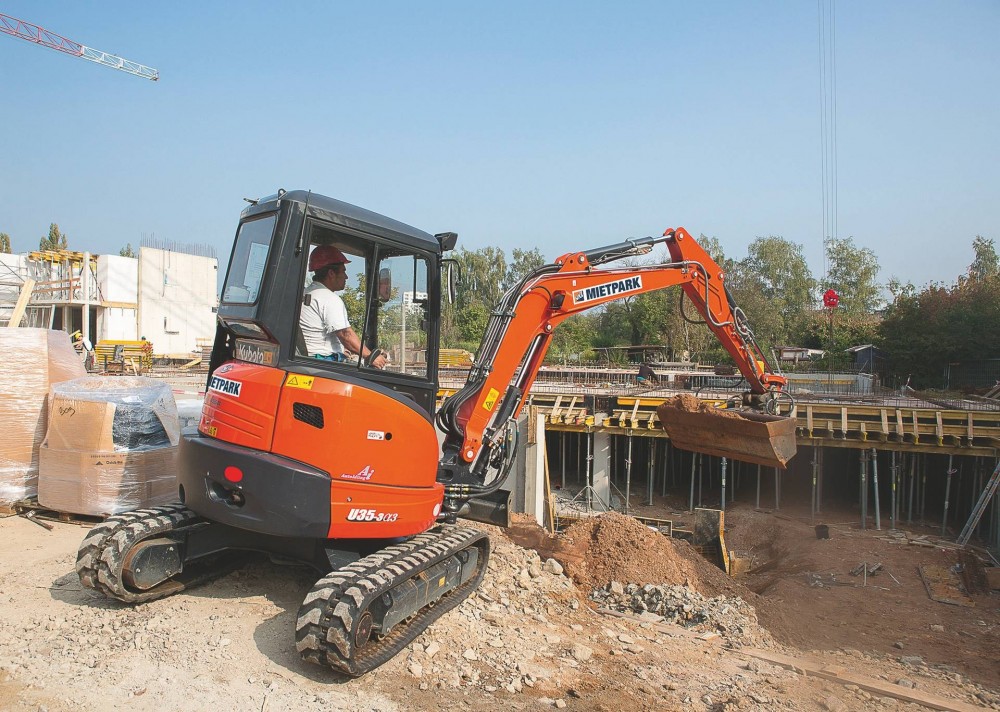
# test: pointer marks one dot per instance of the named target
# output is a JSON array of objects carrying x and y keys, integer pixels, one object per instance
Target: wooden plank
[
  {"x": 899, "y": 422},
  {"x": 943, "y": 585},
  {"x": 940, "y": 427},
  {"x": 809, "y": 419},
  {"x": 885, "y": 421},
  {"x": 836, "y": 673},
  {"x": 22, "y": 304},
  {"x": 971, "y": 430},
  {"x": 843, "y": 421}
]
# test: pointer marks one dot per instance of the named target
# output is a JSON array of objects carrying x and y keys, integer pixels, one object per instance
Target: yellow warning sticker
[
  {"x": 491, "y": 399},
  {"x": 211, "y": 431},
  {"x": 305, "y": 382}
]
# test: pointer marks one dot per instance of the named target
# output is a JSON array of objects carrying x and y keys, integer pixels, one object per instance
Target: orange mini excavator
[{"x": 337, "y": 463}]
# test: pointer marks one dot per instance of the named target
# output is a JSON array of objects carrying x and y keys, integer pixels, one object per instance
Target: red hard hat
[{"x": 326, "y": 255}]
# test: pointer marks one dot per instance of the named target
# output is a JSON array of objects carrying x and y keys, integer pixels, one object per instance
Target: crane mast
[{"x": 39, "y": 35}]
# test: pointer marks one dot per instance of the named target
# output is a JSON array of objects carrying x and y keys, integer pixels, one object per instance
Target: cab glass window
[
  {"x": 382, "y": 289},
  {"x": 400, "y": 286},
  {"x": 253, "y": 241}
]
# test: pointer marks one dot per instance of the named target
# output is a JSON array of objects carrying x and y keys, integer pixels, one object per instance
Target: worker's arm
[{"x": 353, "y": 345}]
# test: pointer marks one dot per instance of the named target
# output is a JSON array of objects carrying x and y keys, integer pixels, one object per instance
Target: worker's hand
[{"x": 377, "y": 359}]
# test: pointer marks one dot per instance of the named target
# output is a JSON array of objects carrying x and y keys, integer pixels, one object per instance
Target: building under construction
[{"x": 165, "y": 296}]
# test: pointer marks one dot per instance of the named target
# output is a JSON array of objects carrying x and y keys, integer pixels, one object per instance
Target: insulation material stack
[
  {"x": 110, "y": 447},
  {"x": 33, "y": 360}
]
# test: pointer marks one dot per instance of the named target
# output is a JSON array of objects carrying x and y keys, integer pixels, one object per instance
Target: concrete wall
[
  {"x": 116, "y": 324},
  {"x": 118, "y": 279},
  {"x": 177, "y": 299}
]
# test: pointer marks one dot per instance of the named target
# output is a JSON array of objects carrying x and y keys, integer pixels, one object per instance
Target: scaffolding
[{"x": 63, "y": 280}]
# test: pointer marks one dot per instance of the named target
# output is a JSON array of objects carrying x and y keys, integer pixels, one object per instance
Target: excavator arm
[{"x": 519, "y": 333}]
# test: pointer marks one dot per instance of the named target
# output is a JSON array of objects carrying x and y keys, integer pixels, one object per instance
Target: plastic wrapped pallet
[
  {"x": 110, "y": 447},
  {"x": 33, "y": 359}
]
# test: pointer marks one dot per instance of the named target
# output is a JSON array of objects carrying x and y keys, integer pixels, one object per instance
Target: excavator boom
[{"x": 520, "y": 331}]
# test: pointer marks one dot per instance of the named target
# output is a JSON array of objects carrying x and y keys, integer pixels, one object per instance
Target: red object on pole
[{"x": 831, "y": 299}]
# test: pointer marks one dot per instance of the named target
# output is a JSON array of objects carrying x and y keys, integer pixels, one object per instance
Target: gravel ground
[{"x": 528, "y": 639}]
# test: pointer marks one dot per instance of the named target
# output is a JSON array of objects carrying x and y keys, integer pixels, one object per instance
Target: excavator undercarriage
[{"x": 355, "y": 618}]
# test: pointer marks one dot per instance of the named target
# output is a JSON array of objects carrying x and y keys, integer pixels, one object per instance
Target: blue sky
[{"x": 558, "y": 125}]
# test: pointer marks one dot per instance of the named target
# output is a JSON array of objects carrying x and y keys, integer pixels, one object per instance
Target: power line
[{"x": 827, "y": 47}]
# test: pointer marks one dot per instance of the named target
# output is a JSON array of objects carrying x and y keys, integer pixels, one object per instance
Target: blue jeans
[{"x": 338, "y": 358}]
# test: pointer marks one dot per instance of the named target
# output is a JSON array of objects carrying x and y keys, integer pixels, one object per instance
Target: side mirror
[
  {"x": 452, "y": 278},
  {"x": 384, "y": 285}
]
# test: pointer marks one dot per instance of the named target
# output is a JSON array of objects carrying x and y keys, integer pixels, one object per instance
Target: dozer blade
[{"x": 767, "y": 440}]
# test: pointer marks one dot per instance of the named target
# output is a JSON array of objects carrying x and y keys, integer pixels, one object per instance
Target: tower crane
[{"x": 39, "y": 35}]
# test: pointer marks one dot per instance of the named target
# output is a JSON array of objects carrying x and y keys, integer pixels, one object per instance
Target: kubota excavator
[{"x": 337, "y": 464}]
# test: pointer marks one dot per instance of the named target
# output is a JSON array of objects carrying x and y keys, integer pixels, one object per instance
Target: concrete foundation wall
[{"x": 177, "y": 298}]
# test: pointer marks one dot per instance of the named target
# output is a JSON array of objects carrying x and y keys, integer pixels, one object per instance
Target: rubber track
[
  {"x": 101, "y": 557},
  {"x": 325, "y": 628}
]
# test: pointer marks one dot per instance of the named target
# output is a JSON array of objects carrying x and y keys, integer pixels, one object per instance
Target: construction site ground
[{"x": 530, "y": 638}]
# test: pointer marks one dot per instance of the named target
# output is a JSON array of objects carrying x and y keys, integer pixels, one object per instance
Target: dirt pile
[
  {"x": 692, "y": 404},
  {"x": 616, "y": 547}
]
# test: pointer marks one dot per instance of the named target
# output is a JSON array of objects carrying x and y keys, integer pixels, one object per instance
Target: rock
[
  {"x": 416, "y": 669},
  {"x": 535, "y": 570},
  {"x": 897, "y": 644},
  {"x": 834, "y": 704},
  {"x": 616, "y": 589},
  {"x": 937, "y": 628},
  {"x": 560, "y": 703},
  {"x": 903, "y": 682},
  {"x": 911, "y": 660},
  {"x": 432, "y": 650},
  {"x": 553, "y": 567},
  {"x": 581, "y": 653},
  {"x": 470, "y": 654}
]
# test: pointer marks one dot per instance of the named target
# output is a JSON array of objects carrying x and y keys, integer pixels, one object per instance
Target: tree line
[
  {"x": 920, "y": 330},
  {"x": 55, "y": 240}
]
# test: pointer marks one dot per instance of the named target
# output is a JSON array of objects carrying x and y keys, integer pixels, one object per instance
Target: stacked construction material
[
  {"x": 32, "y": 360},
  {"x": 110, "y": 447}
]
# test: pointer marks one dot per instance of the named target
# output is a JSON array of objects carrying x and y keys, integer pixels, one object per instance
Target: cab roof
[{"x": 350, "y": 216}]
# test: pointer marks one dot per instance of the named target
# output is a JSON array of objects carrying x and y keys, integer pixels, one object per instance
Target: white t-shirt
[{"x": 323, "y": 316}]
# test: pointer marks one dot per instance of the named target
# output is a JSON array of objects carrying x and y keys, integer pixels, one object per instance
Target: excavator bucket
[{"x": 767, "y": 440}]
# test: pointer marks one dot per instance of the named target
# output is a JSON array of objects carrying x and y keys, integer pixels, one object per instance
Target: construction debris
[{"x": 732, "y": 618}]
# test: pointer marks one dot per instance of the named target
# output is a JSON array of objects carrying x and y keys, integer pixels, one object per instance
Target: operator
[{"x": 325, "y": 328}]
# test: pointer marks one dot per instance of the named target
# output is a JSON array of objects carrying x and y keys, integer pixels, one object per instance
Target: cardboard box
[
  {"x": 76, "y": 424},
  {"x": 105, "y": 483},
  {"x": 33, "y": 360}
]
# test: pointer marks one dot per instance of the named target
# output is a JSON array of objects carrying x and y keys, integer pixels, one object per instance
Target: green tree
[
  {"x": 55, "y": 241},
  {"x": 775, "y": 289},
  {"x": 522, "y": 263},
  {"x": 853, "y": 274},
  {"x": 483, "y": 276},
  {"x": 925, "y": 331},
  {"x": 4, "y": 243},
  {"x": 126, "y": 251},
  {"x": 986, "y": 263}
]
